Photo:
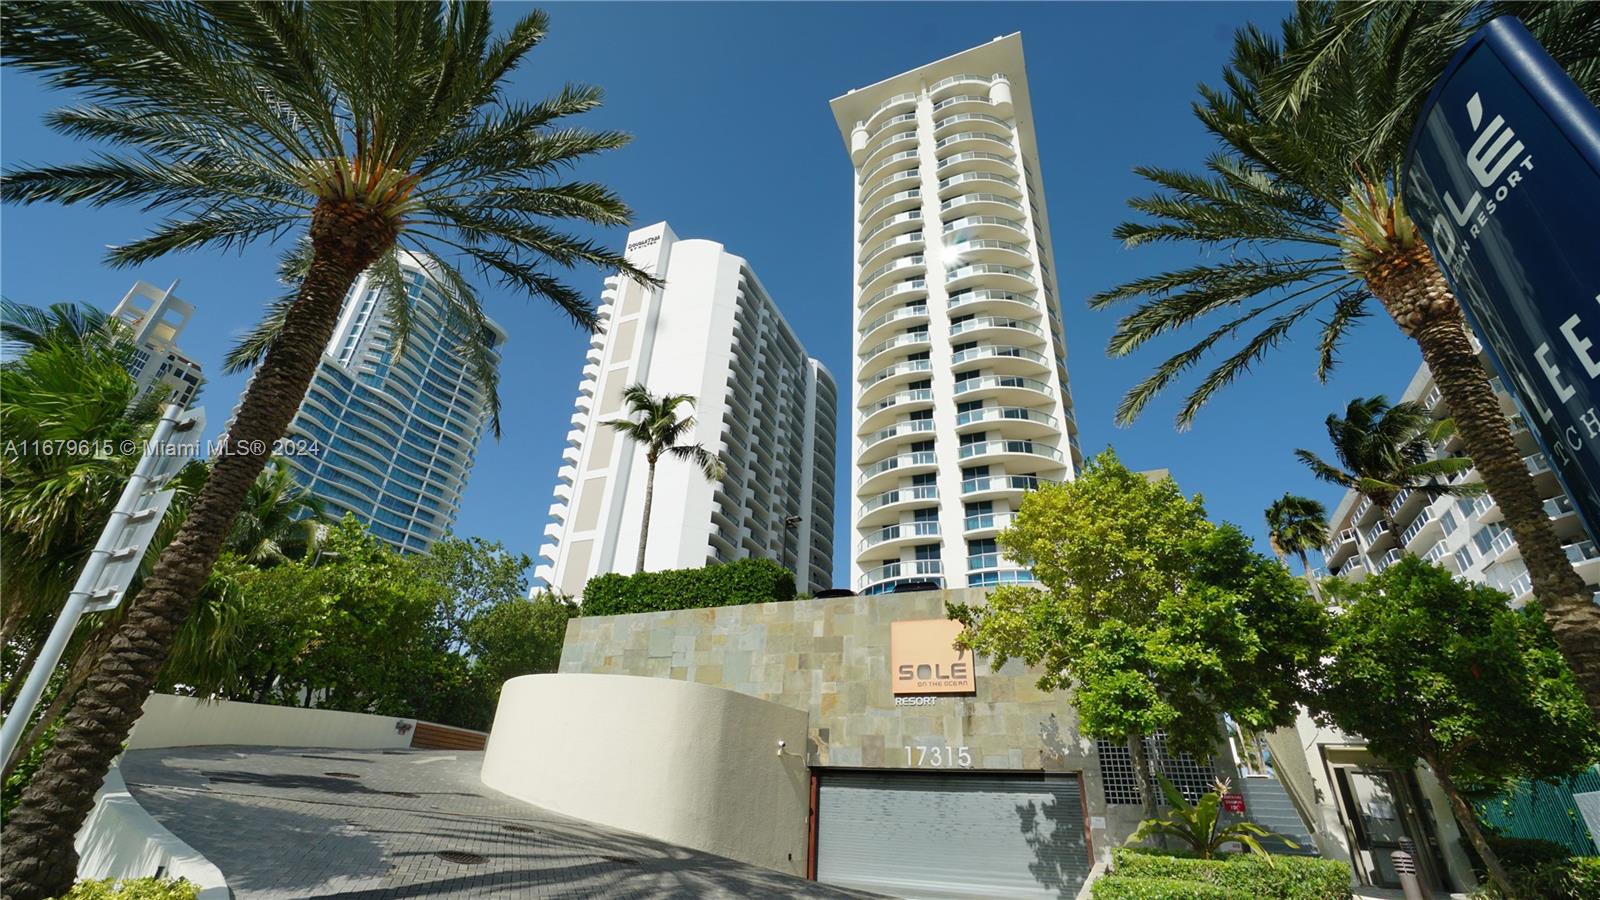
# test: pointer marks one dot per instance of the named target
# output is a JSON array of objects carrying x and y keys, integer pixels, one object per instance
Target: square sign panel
[{"x": 923, "y": 658}]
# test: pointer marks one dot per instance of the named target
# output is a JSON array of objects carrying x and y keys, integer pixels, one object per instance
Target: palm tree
[
  {"x": 1300, "y": 208},
  {"x": 24, "y": 327},
  {"x": 653, "y": 424},
  {"x": 1298, "y": 525},
  {"x": 371, "y": 128},
  {"x": 280, "y": 520},
  {"x": 1384, "y": 450}
]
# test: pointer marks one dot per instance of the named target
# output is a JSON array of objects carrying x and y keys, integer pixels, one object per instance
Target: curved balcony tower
[{"x": 960, "y": 375}]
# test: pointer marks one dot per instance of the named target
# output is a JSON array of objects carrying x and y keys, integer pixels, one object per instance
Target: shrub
[
  {"x": 1526, "y": 853},
  {"x": 133, "y": 889},
  {"x": 1276, "y": 878},
  {"x": 1123, "y": 887},
  {"x": 1573, "y": 878},
  {"x": 729, "y": 584}
]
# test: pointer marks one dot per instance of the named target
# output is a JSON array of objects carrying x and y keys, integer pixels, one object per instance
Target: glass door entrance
[{"x": 1382, "y": 816}]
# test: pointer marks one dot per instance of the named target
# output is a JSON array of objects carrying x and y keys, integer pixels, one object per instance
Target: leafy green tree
[
  {"x": 1299, "y": 216},
  {"x": 519, "y": 636},
  {"x": 653, "y": 425},
  {"x": 1428, "y": 667},
  {"x": 1297, "y": 525},
  {"x": 370, "y": 128},
  {"x": 477, "y": 576},
  {"x": 1384, "y": 450},
  {"x": 1154, "y": 618}
]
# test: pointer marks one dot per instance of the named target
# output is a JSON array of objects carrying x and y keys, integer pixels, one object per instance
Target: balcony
[
  {"x": 965, "y": 101},
  {"x": 901, "y": 430},
  {"x": 1019, "y": 421},
  {"x": 895, "y": 401},
  {"x": 976, "y": 300},
  {"x": 900, "y": 201},
  {"x": 992, "y": 251},
  {"x": 994, "y": 326},
  {"x": 967, "y": 80},
  {"x": 878, "y": 385},
  {"x": 1389, "y": 559},
  {"x": 1421, "y": 522},
  {"x": 973, "y": 140},
  {"x": 898, "y": 100},
  {"x": 1581, "y": 552},
  {"x": 920, "y": 493},
  {"x": 904, "y": 137},
  {"x": 922, "y": 460},
  {"x": 910, "y": 531},
  {"x": 988, "y": 271},
  {"x": 1013, "y": 388},
  {"x": 918, "y": 312},
  {"x": 900, "y": 289},
  {"x": 1559, "y": 507},
  {"x": 871, "y": 281},
  {"x": 1004, "y": 359},
  {"x": 979, "y": 226},
  {"x": 1347, "y": 536},
  {"x": 909, "y": 339},
  {"x": 1537, "y": 464},
  {"x": 870, "y": 258},
  {"x": 887, "y": 126},
  {"x": 886, "y": 576},
  {"x": 983, "y": 122},
  {"x": 981, "y": 204},
  {"x": 1376, "y": 531},
  {"x": 901, "y": 157},
  {"x": 991, "y": 578},
  {"x": 970, "y": 181},
  {"x": 1020, "y": 451},
  {"x": 987, "y": 523},
  {"x": 902, "y": 180},
  {"x": 972, "y": 488},
  {"x": 1437, "y": 553},
  {"x": 911, "y": 217}
]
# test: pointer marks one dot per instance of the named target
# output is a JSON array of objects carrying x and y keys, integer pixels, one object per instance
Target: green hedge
[
  {"x": 1125, "y": 887},
  {"x": 133, "y": 889},
  {"x": 730, "y": 584},
  {"x": 1286, "y": 878}
]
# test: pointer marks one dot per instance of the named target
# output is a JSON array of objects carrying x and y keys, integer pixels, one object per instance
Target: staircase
[{"x": 1268, "y": 805}]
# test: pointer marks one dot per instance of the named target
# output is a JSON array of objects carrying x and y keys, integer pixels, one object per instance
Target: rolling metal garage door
[{"x": 952, "y": 835}]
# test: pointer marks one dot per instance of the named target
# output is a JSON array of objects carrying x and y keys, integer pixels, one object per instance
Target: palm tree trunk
[
  {"x": 1311, "y": 579},
  {"x": 644, "y": 526},
  {"x": 1468, "y": 820},
  {"x": 40, "y": 860},
  {"x": 1418, "y": 297}
]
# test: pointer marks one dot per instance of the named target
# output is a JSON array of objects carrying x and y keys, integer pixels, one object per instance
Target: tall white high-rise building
[
  {"x": 960, "y": 372},
  {"x": 763, "y": 406},
  {"x": 155, "y": 318},
  {"x": 397, "y": 430}
]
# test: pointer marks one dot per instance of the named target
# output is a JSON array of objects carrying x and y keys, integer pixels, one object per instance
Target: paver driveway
[{"x": 296, "y": 823}]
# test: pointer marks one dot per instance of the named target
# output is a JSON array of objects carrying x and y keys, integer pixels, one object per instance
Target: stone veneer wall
[{"x": 831, "y": 658}]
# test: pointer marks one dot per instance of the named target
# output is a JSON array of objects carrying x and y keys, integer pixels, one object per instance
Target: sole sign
[{"x": 1503, "y": 179}]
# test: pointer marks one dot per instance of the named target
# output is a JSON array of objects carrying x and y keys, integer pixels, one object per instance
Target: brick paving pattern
[{"x": 288, "y": 824}]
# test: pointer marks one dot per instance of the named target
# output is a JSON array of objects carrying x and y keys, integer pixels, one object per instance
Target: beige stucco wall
[
  {"x": 830, "y": 658},
  {"x": 687, "y": 763},
  {"x": 170, "y": 721}
]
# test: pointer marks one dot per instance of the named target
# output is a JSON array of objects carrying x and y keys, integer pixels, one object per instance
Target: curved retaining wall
[{"x": 687, "y": 763}]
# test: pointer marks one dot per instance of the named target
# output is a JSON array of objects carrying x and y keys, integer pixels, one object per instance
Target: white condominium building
[
  {"x": 1467, "y": 535},
  {"x": 397, "y": 429},
  {"x": 156, "y": 318},
  {"x": 763, "y": 406},
  {"x": 960, "y": 373}
]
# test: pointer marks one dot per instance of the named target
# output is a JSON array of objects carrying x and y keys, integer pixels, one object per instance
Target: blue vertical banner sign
[{"x": 1503, "y": 179}]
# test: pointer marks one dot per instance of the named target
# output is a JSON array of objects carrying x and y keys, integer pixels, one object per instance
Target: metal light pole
[{"x": 115, "y": 558}]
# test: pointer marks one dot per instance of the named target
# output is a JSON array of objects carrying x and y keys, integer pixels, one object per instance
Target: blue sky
[{"x": 734, "y": 142}]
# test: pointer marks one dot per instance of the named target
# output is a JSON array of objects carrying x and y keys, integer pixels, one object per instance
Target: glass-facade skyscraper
[{"x": 397, "y": 428}]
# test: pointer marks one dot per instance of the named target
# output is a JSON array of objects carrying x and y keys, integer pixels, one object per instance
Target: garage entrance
[{"x": 947, "y": 835}]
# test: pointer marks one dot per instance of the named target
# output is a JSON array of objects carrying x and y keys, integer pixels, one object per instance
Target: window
[
  {"x": 974, "y": 438},
  {"x": 920, "y": 385},
  {"x": 922, "y": 447},
  {"x": 1464, "y": 558},
  {"x": 975, "y": 472},
  {"x": 969, "y": 406},
  {"x": 922, "y": 415},
  {"x": 964, "y": 345},
  {"x": 917, "y": 357},
  {"x": 967, "y": 376},
  {"x": 924, "y": 478},
  {"x": 931, "y": 514},
  {"x": 927, "y": 551},
  {"x": 957, "y": 320},
  {"x": 981, "y": 508}
]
